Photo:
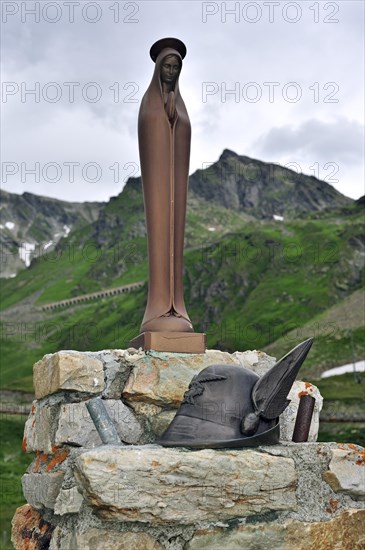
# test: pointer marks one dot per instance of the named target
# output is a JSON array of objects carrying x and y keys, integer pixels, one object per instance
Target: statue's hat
[
  {"x": 167, "y": 43},
  {"x": 230, "y": 406}
]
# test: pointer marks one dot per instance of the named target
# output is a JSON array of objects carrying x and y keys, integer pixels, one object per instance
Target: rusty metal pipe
[{"x": 304, "y": 418}]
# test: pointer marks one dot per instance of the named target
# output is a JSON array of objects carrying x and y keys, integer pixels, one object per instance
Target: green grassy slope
[
  {"x": 246, "y": 290},
  {"x": 13, "y": 463},
  {"x": 110, "y": 252},
  {"x": 339, "y": 334},
  {"x": 253, "y": 287}
]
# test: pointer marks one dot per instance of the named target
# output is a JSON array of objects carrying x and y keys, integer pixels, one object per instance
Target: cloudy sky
[{"x": 279, "y": 81}]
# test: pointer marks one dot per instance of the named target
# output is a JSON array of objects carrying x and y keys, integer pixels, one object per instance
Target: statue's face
[{"x": 170, "y": 69}]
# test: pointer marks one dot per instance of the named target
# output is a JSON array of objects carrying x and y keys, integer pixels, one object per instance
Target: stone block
[
  {"x": 102, "y": 539},
  {"x": 40, "y": 428},
  {"x": 117, "y": 368},
  {"x": 68, "y": 501},
  {"x": 29, "y": 530},
  {"x": 288, "y": 417},
  {"x": 257, "y": 361},
  {"x": 42, "y": 489},
  {"x": 75, "y": 424},
  {"x": 160, "y": 422},
  {"x": 345, "y": 532},
  {"x": 346, "y": 471},
  {"x": 68, "y": 370},
  {"x": 156, "y": 485},
  {"x": 163, "y": 378},
  {"x": 145, "y": 409},
  {"x": 127, "y": 424}
]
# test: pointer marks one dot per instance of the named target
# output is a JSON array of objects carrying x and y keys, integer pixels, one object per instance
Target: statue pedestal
[
  {"x": 82, "y": 494},
  {"x": 175, "y": 342}
]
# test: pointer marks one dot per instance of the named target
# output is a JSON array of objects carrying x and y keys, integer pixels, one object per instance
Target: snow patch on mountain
[{"x": 25, "y": 252}]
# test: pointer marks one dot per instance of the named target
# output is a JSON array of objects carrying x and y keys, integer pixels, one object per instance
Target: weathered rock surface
[
  {"x": 152, "y": 380},
  {"x": 163, "y": 378},
  {"x": 42, "y": 489},
  {"x": 346, "y": 473},
  {"x": 154, "y": 384},
  {"x": 261, "y": 189},
  {"x": 257, "y": 361},
  {"x": 68, "y": 501},
  {"x": 288, "y": 417},
  {"x": 117, "y": 368},
  {"x": 40, "y": 428},
  {"x": 146, "y": 497},
  {"x": 345, "y": 532},
  {"x": 161, "y": 421},
  {"x": 75, "y": 425},
  {"x": 156, "y": 485},
  {"x": 102, "y": 539},
  {"x": 68, "y": 370},
  {"x": 29, "y": 530}
]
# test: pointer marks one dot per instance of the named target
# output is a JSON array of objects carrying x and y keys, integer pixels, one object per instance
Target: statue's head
[
  {"x": 170, "y": 69},
  {"x": 171, "y": 43},
  {"x": 168, "y": 54},
  {"x": 230, "y": 406}
]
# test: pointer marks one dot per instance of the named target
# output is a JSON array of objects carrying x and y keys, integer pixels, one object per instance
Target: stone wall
[{"x": 84, "y": 495}]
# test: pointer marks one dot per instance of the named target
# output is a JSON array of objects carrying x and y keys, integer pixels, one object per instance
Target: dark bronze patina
[
  {"x": 164, "y": 147},
  {"x": 230, "y": 406},
  {"x": 304, "y": 418}
]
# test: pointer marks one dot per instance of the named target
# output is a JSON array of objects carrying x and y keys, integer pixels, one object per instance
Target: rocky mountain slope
[
  {"x": 247, "y": 188},
  {"x": 232, "y": 192},
  {"x": 263, "y": 189},
  {"x": 31, "y": 224}
]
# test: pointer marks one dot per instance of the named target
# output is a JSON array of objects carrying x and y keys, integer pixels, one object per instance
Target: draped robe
[{"x": 164, "y": 148}]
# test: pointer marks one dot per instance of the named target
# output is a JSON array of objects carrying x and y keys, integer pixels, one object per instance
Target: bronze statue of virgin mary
[{"x": 164, "y": 146}]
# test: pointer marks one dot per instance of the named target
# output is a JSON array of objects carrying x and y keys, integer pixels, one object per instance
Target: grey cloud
[
  {"x": 340, "y": 140},
  {"x": 106, "y": 52}
]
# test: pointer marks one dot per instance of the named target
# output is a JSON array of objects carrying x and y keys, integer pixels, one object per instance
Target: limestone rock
[
  {"x": 163, "y": 378},
  {"x": 42, "y": 489},
  {"x": 75, "y": 424},
  {"x": 117, "y": 368},
  {"x": 145, "y": 409},
  {"x": 68, "y": 370},
  {"x": 152, "y": 484},
  {"x": 148, "y": 415},
  {"x": 247, "y": 537},
  {"x": 147, "y": 497},
  {"x": 40, "y": 427},
  {"x": 68, "y": 501},
  {"x": 161, "y": 421},
  {"x": 75, "y": 427},
  {"x": 288, "y": 417},
  {"x": 63, "y": 539},
  {"x": 29, "y": 530},
  {"x": 257, "y": 361},
  {"x": 345, "y": 532},
  {"x": 102, "y": 539},
  {"x": 346, "y": 473}
]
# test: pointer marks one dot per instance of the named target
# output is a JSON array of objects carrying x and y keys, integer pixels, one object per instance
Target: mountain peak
[
  {"x": 227, "y": 153},
  {"x": 262, "y": 189}
]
